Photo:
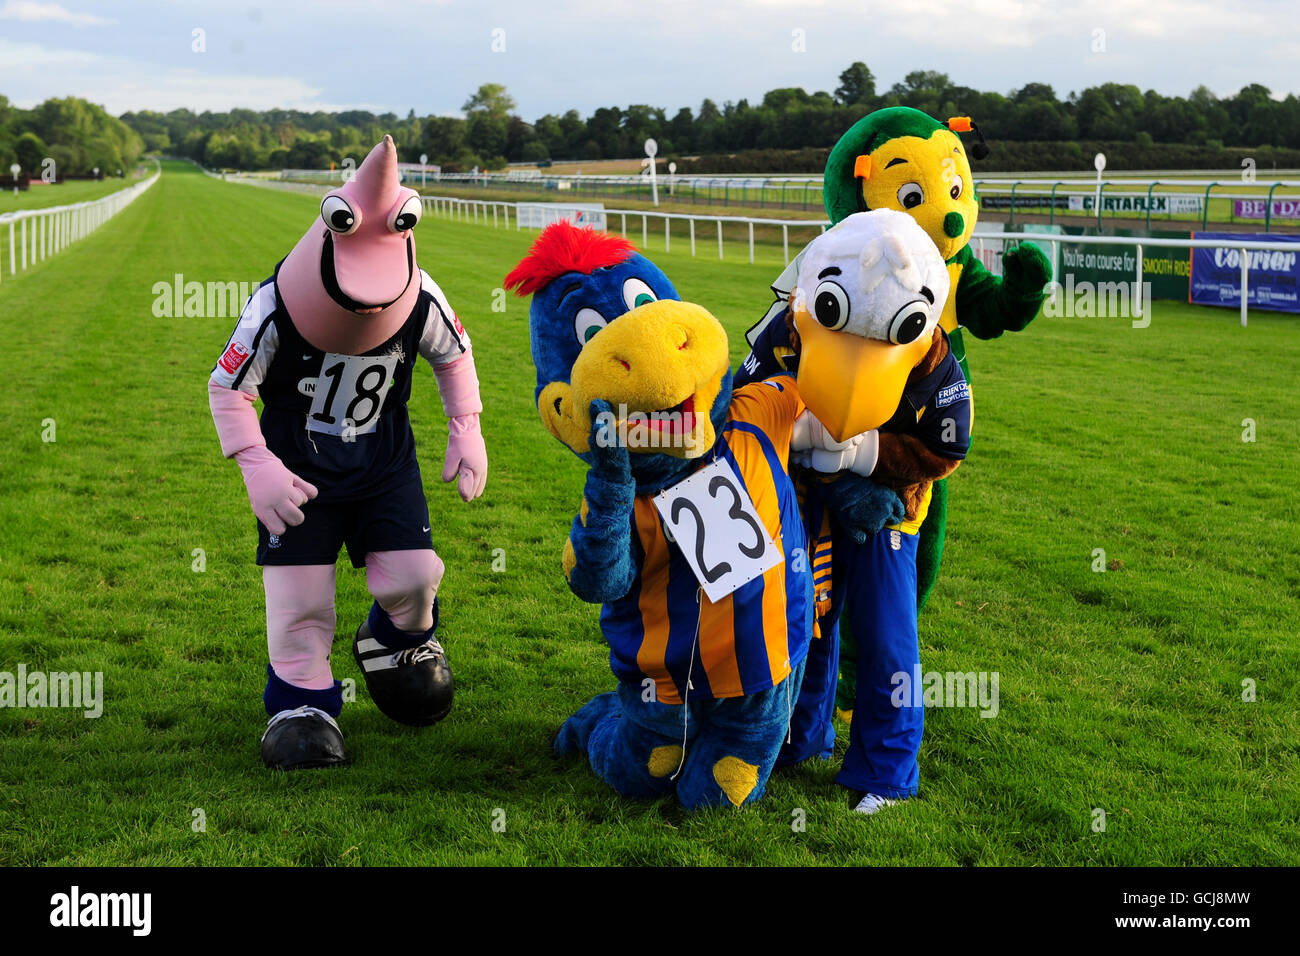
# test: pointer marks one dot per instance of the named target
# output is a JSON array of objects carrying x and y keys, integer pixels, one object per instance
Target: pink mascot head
[{"x": 352, "y": 280}]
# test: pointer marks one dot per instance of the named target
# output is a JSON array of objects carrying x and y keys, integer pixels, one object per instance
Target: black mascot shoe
[
  {"x": 413, "y": 686},
  {"x": 302, "y": 739}
]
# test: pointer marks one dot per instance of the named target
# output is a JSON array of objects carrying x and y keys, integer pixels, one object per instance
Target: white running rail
[{"x": 56, "y": 227}]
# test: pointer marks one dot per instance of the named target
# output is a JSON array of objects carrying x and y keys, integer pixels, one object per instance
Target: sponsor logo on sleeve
[
  {"x": 235, "y": 356},
  {"x": 455, "y": 321},
  {"x": 953, "y": 393}
]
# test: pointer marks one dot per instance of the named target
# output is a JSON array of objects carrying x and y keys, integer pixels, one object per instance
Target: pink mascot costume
[{"x": 329, "y": 343}]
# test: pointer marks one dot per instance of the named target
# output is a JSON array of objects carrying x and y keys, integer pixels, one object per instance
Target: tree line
[{"x": 78, "y": 136}]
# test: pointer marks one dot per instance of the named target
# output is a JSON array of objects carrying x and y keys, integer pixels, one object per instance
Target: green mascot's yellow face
[{"x": 927, "y": 178}]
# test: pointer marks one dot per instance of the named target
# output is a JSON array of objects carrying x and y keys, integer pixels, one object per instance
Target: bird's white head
[{"x": 866, "y": 306}]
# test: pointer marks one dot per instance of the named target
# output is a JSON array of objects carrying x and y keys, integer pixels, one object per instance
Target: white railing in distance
[{"x": 56, "y": 227}]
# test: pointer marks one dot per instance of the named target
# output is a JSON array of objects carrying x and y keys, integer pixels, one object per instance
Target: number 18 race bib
[
  {"x": 717, "y": 528},
  {"x": 350, "y": 392}
]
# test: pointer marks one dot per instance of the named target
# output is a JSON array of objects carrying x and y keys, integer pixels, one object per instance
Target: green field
[{"x": 1120, "y": 691}]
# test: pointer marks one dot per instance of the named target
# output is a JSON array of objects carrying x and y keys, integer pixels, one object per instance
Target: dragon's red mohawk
[{"x": 563, "y": 247}]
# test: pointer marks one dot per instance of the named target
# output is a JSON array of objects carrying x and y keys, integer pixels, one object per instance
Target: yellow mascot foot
[
  {"x": 736, "y": 778},
  {"x": 664, "y": 760},
  {"x": 844, "y": 715}
]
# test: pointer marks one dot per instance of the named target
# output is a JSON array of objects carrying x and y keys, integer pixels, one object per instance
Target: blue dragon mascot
[{"x": 637, "y": 383}]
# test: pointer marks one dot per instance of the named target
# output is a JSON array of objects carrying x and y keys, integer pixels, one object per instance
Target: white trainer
[{"x": 872, "y": 802}]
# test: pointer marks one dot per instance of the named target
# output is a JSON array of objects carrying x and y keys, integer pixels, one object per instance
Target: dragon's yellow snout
[{"x": 660, "y": 367}]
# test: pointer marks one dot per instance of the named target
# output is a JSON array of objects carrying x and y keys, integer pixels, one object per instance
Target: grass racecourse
[{"x": 1120, "y": 691}]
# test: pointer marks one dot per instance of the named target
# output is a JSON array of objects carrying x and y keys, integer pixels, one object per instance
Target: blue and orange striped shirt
[
  {"x": 817, "y": 525},
  {"x": 751, "y": 639}
]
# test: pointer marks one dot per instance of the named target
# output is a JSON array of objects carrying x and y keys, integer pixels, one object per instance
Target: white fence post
[
  {"x": 692, "y": 238},
  {"x": 1137, "y": 285},
  {"x": 1245, "y": 269},
  {"x": 751, "y": 242},
  {"x": 719, "y": 239}
]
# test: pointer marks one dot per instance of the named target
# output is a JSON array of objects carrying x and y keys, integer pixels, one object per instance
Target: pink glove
[
  {"x": 466, "y": 456},
  {"x": 275, "y": 492}
]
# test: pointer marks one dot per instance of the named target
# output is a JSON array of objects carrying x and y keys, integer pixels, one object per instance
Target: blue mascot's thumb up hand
[{"x": 609, "y": 457}]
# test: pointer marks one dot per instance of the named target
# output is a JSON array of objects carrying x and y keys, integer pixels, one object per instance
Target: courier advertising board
[{"x": 1273, "y": 281}]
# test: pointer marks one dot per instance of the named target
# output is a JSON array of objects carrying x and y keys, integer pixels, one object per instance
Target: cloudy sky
[{"x": 559, "y": 54}]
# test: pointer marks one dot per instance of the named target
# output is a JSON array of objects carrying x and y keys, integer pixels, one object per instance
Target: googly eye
[
  {"x": 408, "y": 214},
  {"x": 830, "y": 305},
  {"x": 910, "y": 195},
  {"x": 637, "y": 293},
  {"x": 956, "y": 190},
  {"x": 908, "y": 323},
  {"x": 338, "y": 215},
  {"x": 587, "y": 323}
]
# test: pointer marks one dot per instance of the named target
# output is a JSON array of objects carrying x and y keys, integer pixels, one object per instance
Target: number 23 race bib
[{"x": 717, "y": 528}]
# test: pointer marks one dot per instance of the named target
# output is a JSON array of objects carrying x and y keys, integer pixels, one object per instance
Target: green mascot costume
[{"x": 900, "y": 158}]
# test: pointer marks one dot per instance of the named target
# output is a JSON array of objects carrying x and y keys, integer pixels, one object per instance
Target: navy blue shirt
[{"x": 338, "y": 421}]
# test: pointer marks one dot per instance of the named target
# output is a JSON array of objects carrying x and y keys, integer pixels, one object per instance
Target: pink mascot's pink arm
[
  {"x": 466, "y": 453},
  {"x": 276, "y": 493}
]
